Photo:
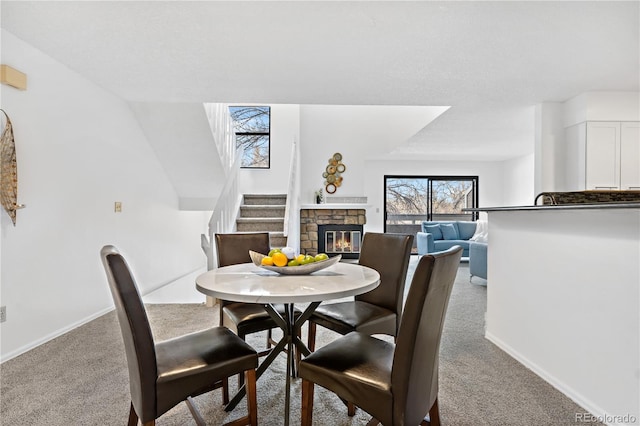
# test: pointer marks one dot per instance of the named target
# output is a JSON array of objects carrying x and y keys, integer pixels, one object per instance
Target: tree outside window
[{"x": 252, "y": 125}]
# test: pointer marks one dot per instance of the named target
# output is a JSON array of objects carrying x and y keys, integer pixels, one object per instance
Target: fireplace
[
  {"x": 340, "y": 239},
  {"x": 351, "y": 218}
]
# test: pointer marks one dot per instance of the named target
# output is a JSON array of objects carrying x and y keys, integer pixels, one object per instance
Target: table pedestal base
[{"x": 289, "y": 343}]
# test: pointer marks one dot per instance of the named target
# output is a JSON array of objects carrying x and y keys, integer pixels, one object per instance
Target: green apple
[
  {"x": 321, "y": 256},
  {"x": 307, "y": 259},
  {"x": 273, "y": 251}
]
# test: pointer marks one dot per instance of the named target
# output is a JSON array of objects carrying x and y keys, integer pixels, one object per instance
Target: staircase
[{"x": 264, "y": 213}]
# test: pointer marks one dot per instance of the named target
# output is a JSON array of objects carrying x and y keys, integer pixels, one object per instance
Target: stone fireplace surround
[{"x": 324, "y": 214}]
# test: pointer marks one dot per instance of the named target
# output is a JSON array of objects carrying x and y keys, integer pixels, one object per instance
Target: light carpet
[{"x": 81, "y": 377}]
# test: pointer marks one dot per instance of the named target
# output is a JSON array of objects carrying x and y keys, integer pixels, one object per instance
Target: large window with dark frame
[
  {"x": 252, "y": 126},
  {"x": 410, "y": 200}
]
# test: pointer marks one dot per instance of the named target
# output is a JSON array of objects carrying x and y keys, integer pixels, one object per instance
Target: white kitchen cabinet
[
  {"x": 630, "y": 156},
  {"x": 603, "y": 155}
]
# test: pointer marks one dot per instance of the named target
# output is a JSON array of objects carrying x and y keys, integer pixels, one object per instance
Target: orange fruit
[
  {"x": 279, "y": 259},
  {"x": 267, "y": 261}
]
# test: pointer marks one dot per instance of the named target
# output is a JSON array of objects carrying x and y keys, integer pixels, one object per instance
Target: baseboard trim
[
  {"x": 51, "y": 336},
  {"x": 69, "y": 327},
  {"x": 568, "y": 391}
]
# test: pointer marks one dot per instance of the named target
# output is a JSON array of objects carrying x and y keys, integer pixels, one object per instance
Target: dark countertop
[{"x": 549, "y": 207}]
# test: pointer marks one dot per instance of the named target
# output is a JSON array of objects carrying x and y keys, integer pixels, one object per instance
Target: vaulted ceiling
[{"x": 491, "y": 62}]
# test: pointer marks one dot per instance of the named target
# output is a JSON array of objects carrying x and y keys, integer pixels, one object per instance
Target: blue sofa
[{"x": 441, "y": 235}]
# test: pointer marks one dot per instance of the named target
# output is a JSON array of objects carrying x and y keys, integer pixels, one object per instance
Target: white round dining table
[{"x": 249, "y": 283}]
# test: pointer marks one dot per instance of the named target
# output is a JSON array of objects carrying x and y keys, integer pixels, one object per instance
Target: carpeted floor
[{"x": 81, "y": 377}]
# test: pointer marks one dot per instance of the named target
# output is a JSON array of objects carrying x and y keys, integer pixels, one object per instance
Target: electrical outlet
[
  {"x": 3, "y": 313},
  {"x": 118, "y": 207}
]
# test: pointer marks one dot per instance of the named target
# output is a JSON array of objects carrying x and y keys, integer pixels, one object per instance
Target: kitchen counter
[{"x": 550, "y": 207}]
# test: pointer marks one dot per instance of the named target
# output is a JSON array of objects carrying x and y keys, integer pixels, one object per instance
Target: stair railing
[
  {"x": 291, "y": 222},
  {"x": 223, "y": 133},
  {"x": 223, "y": 218}
]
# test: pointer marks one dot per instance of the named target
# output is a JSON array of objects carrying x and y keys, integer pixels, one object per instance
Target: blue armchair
[{"x": 478, "y": 260}]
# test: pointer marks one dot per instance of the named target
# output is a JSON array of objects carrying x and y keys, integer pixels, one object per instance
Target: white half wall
[
  {"x": 566, "y": 302},
  {"x": 79, "y": 150}
]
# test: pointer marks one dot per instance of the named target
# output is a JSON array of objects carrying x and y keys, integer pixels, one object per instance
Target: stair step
[
  {"x": 260, "y": 224},
  {"x": 262, "y": 210},
  {"x": 265, "y": 199},
  {"x": 277, "y": 239}
]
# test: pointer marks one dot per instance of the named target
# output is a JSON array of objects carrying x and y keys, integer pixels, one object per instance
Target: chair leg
[
  {"x": 194, "y": 412},
  {"x": 240, "y": 375},
  {"x": 351, "y": 409},
  {"x": 307, "y": 403},
  {"x": 225, "y": 391},
  {"x": 251, "y": 419},
  {"x": 311, "y": 339},
  {"x": 252, "y": 398},
  {"x": 269, "y": 339},
  {"x": 133, "y": 417},
  {"x": 434, "y": 414},
  {"x": 373, "y": 422}
]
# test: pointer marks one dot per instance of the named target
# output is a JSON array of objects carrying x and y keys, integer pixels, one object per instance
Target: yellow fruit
[
  {"x": 279, "y": 259},
  {"x": 267, "y": 261},
  {"x": 293, "y": 263},
  {"x": 300, "y": 258}
]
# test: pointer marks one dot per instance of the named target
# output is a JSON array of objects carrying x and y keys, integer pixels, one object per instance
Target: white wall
[
  {"x": 357, "y": 132},
  {"x": 518, "y": 186},
  {"x": 602, "y": 106},
  {"x": 80, "y": 149},
  {"x": 285, "y": 128},
  {"x": 549, "y": 148}
]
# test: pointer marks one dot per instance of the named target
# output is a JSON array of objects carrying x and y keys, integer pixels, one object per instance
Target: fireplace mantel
[{"x": 332, "y": 206}]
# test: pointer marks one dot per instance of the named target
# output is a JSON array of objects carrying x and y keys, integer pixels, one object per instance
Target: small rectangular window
[{"x": 252, "y": 125}]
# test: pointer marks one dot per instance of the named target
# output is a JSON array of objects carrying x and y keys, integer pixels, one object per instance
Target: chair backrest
[
  {"x": 232, "y": 249},
  {"x": 414, "y": 377},
  {"x": 136, "y": 333},
  {"x": 389, "y": 255}
]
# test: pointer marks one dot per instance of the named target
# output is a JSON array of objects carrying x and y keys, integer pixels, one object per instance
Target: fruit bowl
[{"x": 294, "y": 270}]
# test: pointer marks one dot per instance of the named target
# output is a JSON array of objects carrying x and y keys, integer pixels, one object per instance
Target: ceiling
[{"x": 492, "y": 62}]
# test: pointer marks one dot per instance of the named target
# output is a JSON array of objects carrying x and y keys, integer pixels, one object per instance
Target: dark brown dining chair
[
  {"x": 244, "y": 318},
  {"x": 163, "y": 374},
  {"x": 378, "y": 311},
  {"x": 396, "y": 383}
]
